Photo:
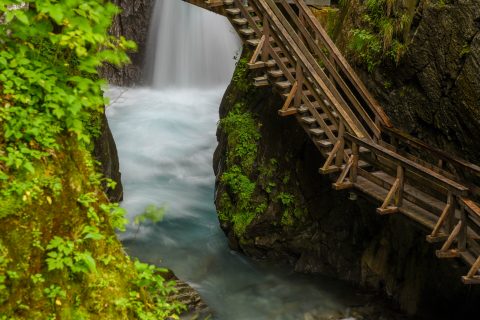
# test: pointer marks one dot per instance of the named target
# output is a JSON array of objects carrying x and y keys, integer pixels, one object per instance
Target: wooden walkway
[{"x": 363, "y": 151}]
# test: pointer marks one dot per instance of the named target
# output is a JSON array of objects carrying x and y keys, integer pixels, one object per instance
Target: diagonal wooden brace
[
  {"x": 445, "y": 251},
  {"x": 472, "y": 276},
  {"x": 258, "y": 50},
  {"x": 327, "y": 167},
  {"x": 286, "y": 109},
  {"x": 386, "y": 208},
  {"x": 449, "y": 209},
  {"x": 341, "y": 184}
]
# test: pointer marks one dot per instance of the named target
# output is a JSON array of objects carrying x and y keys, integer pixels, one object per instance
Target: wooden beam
[
  {"x": 445, "y": 251},
  {"x": 385, "y": 208},
  {"x": 289, "y": 99},
  {"x": 326, "y": 166},
  {"x": 447, "y": 211},
  {"x": 257, "y": 51}
]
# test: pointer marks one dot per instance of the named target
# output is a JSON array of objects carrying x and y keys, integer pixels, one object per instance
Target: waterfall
[{"x": 189, "y": 47}]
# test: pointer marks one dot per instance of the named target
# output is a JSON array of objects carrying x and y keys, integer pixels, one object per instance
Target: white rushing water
[
  {"x": 165, "y": 136},
  {"x": 189, "y": 47}
]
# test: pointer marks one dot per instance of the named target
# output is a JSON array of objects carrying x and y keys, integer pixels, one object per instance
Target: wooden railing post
[
  {"x": 450, "y": 221},
  {"x": 300, "y": 78},
  {"x": 339, "y": 157},
  {"x": 354, "y": 169},
  {"x": 401, "y": 178},
  {"x": 462, "y": 236},
  {"x": 266, "y": 34}
]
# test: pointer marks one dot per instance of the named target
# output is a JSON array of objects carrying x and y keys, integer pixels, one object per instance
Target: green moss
[
  {"x": 240, "y": 78},
  {"x": 382, "y": 32}
]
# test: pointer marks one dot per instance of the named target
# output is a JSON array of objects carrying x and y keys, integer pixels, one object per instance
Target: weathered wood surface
[{"x": 362, "y": 149}]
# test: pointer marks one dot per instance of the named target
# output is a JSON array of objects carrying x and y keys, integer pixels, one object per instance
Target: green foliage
[
  {"x": 240, "y": 75},
  {"x": 151, "y": 213},
  {"x": 49, "y": 55},
  {"x": 243, "y": 134},
  {"x": 382, "y": 32},
  {"x": 59, "y": 256}
]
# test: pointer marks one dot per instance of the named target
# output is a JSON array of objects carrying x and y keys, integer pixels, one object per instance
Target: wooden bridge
[{"x": 363, "y": 151}]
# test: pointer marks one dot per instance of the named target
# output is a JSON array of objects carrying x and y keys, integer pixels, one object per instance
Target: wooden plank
[
  {"x": 331, "y": 70},
  {"x": 342, "y": 63},
  {"x": 257, "y": 51},
  {"x": 456, "y": 188},
  {"x": 290, "y": 97},
  {"x": 419, "y": 144},
  {"x": 346, "y": 115},
  {"x": 412, "y": 211}
]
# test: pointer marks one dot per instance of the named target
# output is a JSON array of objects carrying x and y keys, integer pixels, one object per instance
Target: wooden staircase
[{"x": 293, "y": 53}]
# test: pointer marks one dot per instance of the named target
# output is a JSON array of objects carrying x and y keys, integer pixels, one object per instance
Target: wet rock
[
  {"x": 105, "y": 151},
  {"x": 132, "y": 23}
]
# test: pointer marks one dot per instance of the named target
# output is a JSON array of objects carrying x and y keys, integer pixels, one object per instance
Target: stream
[{"x": 165, "y": 136}]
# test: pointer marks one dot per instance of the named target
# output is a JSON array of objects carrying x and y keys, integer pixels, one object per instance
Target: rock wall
[
  {"x": 105, "y": 151},
  {"x": 278, "y": 207},
  {"x": 133, "y": 24},
  {"x": 434, "y": 90}
]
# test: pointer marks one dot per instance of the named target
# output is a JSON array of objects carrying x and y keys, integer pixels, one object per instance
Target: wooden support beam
[
  {"x": 462, "y": 236},
  {"x": 472, "y": 277},
  {"x": 445, "y": 251},
  {"x": 325, "y": 169},
  {"x": 288, "y": 101},
  {"x": 266, "y": 34},
  {"x": 257, "y": 51},
  {"x": 355, "y": 158},
  {"x": 341, "y": 184},
  {"x": 447, "y": 212},
  {"x": 385, "y": 207},
  {"x": 341, "y": 139}
]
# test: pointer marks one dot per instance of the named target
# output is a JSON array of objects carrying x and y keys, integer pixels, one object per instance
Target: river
[{"x": 165, "y": 136}]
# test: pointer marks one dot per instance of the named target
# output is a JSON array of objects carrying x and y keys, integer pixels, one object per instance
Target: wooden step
[
  {"x": 349, "y": 151},
  {"x": 228, "y": 2},
  {"x": 261, "y": 81},
  {"x": 305, "y": 92},
  {"x": 283, "y": 84},
  {"x": 240, "y": 21},
  {"x": 309, "y": 120},
  {"x": 335, "y": 169},
  {"x": 324, "y": 143},
  {"x": 277, "y": 73},
  {"x": 247, "y": 31},
  {"x": 317, "y": 132},
  {"x": 408, "y": 208},
  {"x": 253, "y": 42},
  {"x": 233, "y": 11},
  {"x": 411, "y": 193}
]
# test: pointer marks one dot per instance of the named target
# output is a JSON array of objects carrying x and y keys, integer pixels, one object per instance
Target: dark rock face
[
  {"x": 133, "y": 24},
  {"x": 105, "y": 151},
  {"x": 334, "y": 236},
  {"x": 434, "y": 93}
]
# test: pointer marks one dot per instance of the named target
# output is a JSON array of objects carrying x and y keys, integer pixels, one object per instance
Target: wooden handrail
[
  {"x": 343, "y": 64},
  {"x": 331, "y": 69},
  {"x": 302, "y": 55},
  {"x": 442, "y": 155},
  {"x": 450, "y": 185}
]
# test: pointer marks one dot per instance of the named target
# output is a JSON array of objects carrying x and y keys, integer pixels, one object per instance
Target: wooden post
[
  {"x": 354, "y": 169},
  {"x": 341, "y": 139},
  {"x": 462, "y": 236},
  {"x": 266, "y": 34},
  {"x": 401, "y": 178},
  {"x": 299, "y": 76},
  {"x": 450, "y": 222}
]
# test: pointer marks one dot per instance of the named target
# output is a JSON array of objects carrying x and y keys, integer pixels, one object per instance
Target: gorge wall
[
  {"x": 273, "y": 204},
  {"x": 132, "y": 23}
]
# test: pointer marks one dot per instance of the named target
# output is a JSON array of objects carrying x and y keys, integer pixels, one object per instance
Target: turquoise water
[{"x": 166, "y": 141}]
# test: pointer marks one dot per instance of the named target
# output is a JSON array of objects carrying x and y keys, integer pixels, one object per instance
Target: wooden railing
[{"x": 353, "y": 132}]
